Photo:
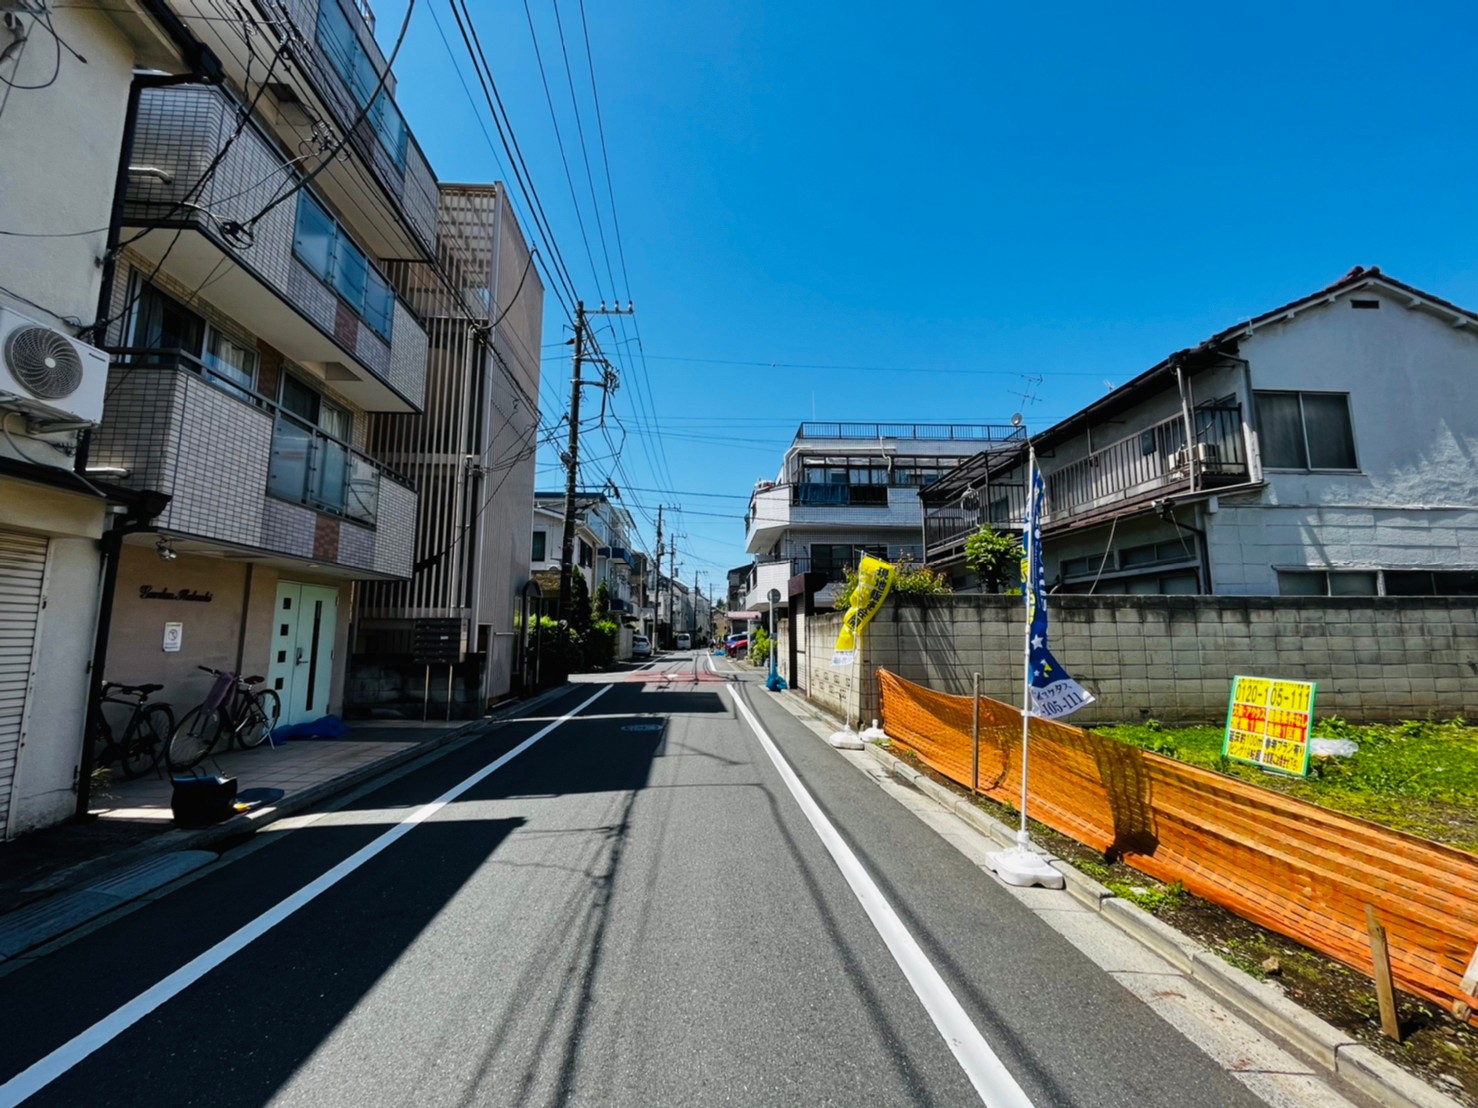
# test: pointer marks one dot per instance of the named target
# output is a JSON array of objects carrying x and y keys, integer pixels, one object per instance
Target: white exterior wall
[
  {"x": 78, "y": 123},
  {"x": 1414, "y": 501}
]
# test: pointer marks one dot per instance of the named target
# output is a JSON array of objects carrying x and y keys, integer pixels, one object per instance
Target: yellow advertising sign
[
  {"x": 1268, "y": 723},
  {"x": 874, "y": 579}
]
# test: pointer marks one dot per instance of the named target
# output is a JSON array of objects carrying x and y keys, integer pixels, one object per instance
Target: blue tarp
[{"x": 325, "y": 727}]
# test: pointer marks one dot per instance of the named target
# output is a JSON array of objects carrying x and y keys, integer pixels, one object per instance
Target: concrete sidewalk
[{"x": 54, "y": 880}]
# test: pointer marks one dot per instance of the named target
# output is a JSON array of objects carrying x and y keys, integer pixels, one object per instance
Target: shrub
[
  {"x": 995, "y": 555},
  {"x": 913, "y": 579},
  {"x": 759, "y": 647},
  {"x": 600, "y": 643}
]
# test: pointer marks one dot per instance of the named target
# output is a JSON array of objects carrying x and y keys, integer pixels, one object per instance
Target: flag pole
[
  {"x": 1023, "y": 837},
  {"x": 1021, "y": 865}
]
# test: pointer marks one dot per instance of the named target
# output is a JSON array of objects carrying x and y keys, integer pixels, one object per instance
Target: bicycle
[
  {"x": 145, "y": 736},
  {"x": 232, "y": 708}
]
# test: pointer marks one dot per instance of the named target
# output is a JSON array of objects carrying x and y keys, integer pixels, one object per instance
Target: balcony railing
[
  {"x": 923, "y": 432},
  {"x": 307, "y": 465},
  {"x": 331, "y": 305},
  {"x": 1152, "y": 459},
  {"x": 815, "y": 495}
]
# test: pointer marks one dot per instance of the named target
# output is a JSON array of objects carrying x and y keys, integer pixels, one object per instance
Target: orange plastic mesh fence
[{"x": 1291, "y": 866}]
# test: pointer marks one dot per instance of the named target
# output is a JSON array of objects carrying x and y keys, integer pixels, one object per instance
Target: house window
[
  {"x": 1421, "y": 582},
  {"x": 539, "y": 541},
  {"x": 231, "y": 363},
  {"x": 340, "y": 41},
  {"x": 163, "y": 323},
  {"x": 587, "y": 554},
  {"x": 1305, "y": 430},
  {"x": 324, "y": 246},
  {"x": 1319, "y": 582}
]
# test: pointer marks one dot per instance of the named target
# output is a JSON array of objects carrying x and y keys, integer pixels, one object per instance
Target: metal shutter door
[{"x": 22, "y": 572}]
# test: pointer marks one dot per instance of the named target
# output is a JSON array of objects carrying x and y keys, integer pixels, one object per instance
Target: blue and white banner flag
[{"x": 1053, "y": 693}]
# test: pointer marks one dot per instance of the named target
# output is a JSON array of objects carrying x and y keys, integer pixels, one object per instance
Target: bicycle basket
[{"x": 219, "y": 691}]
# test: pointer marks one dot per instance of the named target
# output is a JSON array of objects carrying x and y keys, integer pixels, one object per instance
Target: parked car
[
  {"x": 641, "y": 646},
  {"x": 685, "y": 642},
  {"x": 736, "y": 645}
]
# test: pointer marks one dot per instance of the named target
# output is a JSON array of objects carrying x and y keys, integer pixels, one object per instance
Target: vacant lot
[{"x": 1419, "y": 776}]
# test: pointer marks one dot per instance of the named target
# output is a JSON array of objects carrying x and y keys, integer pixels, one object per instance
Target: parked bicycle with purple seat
[{"x": 233, "y": 707}]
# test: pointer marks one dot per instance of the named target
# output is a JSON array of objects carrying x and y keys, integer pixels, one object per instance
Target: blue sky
[{"x": 957, "y": 196}]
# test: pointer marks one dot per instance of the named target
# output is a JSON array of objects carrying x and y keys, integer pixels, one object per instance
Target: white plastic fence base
[
  {"x": 846, "y": 740},
  {"x": 1022, "y": 866}
]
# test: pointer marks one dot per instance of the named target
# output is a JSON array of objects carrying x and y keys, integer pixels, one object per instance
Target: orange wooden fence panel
[{"x": 1291, "y": 866}]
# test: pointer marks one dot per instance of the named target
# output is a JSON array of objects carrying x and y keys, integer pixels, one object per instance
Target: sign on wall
[
  {"x": 1268, "y": 723},
  {"x": 174, "y": 635}
]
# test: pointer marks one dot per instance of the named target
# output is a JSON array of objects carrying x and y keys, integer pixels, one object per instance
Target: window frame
[{"x": 1303, "y": 424}]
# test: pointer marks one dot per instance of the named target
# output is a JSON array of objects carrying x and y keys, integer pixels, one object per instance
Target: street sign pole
[{"x": 775, "y": 683}]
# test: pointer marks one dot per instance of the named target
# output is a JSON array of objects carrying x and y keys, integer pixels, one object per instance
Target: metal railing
[
  {"x": 817, "y": 495},
  {"x": 308, "y": 465},
  {"x": 1150, "y": 459},
  {"x": 923, "y": 432}
]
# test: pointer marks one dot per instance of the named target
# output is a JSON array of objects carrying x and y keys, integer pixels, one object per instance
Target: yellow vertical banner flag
[{"x": 874, "y": 580}]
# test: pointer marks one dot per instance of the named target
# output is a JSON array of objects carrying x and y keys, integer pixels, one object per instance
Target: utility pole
[
  {"x": 657, "y": 580},
  {"x": 672, "y": 588},
  {"x": 694, "y": 631},
  {"x": 572, "y": 456}
]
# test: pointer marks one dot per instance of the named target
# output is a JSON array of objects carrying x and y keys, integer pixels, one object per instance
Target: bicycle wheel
[
  {"x": 193, "y": 739},
  {"x": 148, "y": 734},
  {"x": 263, "y": 709}
]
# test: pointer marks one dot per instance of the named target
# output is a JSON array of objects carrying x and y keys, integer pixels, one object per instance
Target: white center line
[
  {"x": 986, "y": 1072},
  {"x": 43, "y": 1072}
]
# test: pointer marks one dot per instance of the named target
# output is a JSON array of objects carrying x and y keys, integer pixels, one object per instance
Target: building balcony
[
  {"x": 617, "y": 553},
  {"x": 763, "y": 577},
  {"x": 1149, "y": 464},
  {"x": 773, "y": 510},
  {"x": 297, "y": 279},
  {"x": 246, "y": 476},
  {"x": 380, "y": 173}
]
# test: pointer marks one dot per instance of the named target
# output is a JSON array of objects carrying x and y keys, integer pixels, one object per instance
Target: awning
[{"x": 746, "y": 615}]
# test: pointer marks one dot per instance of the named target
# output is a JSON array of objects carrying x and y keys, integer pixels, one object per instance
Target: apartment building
[
  {"x": 257, "y": 327},
  {"x": 61, "y": 121},
  {"x": 844, "y": 490},
  {"x": 471, "y": 456},
  {"x": 1323, "y": 447}
]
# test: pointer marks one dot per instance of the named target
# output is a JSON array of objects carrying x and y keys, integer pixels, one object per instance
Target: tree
[
  {"x": 995, "y": 555},
  {"x": 576, "y": 608},
  {"x": 602, "y": 603}
]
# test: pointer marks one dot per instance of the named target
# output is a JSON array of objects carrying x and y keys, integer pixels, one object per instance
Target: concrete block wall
[{"x": 1172, "y": 658}]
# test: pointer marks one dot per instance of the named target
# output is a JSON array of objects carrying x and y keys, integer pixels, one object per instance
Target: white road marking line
[
  {"x": 994, "y": 1083},
  {"x": 41, "y": 1073}
]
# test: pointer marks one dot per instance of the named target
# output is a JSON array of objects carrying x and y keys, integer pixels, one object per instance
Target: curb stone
[
  {"x": 1334, "y": 1051},
  {"x": 98, "y": 871}
]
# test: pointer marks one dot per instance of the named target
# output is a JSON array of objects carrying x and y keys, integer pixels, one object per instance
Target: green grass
[{"x": 1419, "y": 776}]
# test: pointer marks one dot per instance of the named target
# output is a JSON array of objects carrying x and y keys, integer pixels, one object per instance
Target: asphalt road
[{"x": 633, "y": 909}]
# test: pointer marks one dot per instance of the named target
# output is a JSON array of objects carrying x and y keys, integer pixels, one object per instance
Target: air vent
[
  {"x": 1368, "y": 305},
  {"x": 44, "y": 361}
]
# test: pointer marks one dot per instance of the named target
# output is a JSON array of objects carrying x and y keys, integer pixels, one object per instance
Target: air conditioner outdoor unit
[
  {"x": 52, "y": 377},
  {"x": 1208, "y": 454}
]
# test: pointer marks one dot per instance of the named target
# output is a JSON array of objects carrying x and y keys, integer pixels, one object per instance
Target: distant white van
[{"x": 685, "y": 642}]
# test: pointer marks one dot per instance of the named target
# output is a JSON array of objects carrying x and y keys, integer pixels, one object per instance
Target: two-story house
[
  {"x": 848, "y": 489},
  {"x": 1321, "y": 448}
]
